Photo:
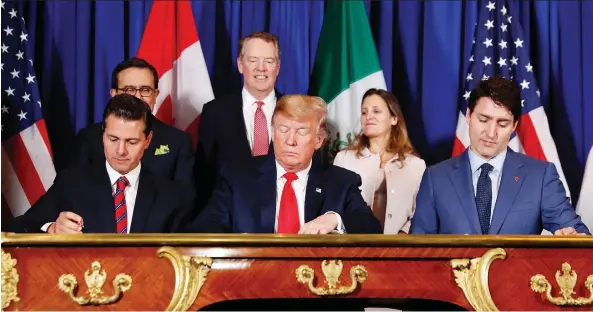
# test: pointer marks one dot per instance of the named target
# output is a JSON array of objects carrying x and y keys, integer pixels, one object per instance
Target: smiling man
[
  {"x": 490, "y": 189},
  {"x": 289, "y": 193},
  {"x": 236, "y": 128}
]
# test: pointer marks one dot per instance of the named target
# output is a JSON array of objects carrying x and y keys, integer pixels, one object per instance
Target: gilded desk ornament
[
  {"x": 10, "y": 280},
  {"x": 332, "y": 270},
  {"x": 567, "y": 280},
  {"x": 471, "y": 275},
  {"x": 95, "y": 278},
  {"x": 190, "y": 276}
]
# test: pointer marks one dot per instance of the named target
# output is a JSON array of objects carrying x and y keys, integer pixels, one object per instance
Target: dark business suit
[
  {"x": 176, "y": 164},
  {"x": 244, "y": 200},
  {"x": 222, "y": 139},
  {"x": 86, "y": 191},
  {"x": 531, "y": 197}
]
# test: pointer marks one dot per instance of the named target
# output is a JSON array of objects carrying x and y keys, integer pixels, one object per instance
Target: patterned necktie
[
  {"x": 288, "y": 216},
  {"x": 121, "y": 210},
  {"x": 261, "y": 142},
  {"x": 484, "y": 197}
]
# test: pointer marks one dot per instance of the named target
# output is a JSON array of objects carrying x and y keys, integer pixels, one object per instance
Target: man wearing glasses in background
[{"x": 169, "y": 154}]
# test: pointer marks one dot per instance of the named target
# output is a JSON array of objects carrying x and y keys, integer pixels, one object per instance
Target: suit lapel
[
  {"x": 461, "y": 179},
  {"x": 103, "y": 198},
  {"x": 144, "y": 200},
  {"x": 265, "y": 186},
  {"x": 513, "y": 174},
  {"x": 236, "y": 113},
  {"x": 314, "y": 193}
]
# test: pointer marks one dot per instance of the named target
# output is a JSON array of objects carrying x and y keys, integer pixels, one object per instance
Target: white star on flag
[
  {"x": 26, "y": 97},
  {"x": 514, "y": 60},
  {"x": 8, "y": 31},
  {"x": 30, "y": 79},
  {"x": 22, "y": 115},
  {"x": 525, "y": 84},
  {"x": 486, "y": 61},
  {"x": 9, "y": 91}
]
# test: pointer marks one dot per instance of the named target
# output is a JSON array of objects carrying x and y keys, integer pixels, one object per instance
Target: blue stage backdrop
[{"x": 424, "y": 47}]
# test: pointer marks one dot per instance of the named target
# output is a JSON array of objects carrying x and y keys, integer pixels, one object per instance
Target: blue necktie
[{"x": 484, "y": 197}]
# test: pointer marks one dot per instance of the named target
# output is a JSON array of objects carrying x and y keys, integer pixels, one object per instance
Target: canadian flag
[
  {"x": 585, "y": 204},
  {"x": 171, "y": 44}
]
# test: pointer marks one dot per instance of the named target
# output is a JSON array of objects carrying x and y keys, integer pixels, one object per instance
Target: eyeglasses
[{"x": 144, "y": 91}]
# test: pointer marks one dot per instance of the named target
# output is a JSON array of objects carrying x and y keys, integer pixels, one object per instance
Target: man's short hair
[
  {"x": 128, "y": 107},
  {"x": 265, "y": 36},
  {"x": 298, "y": 106},
  {"x": 133, "y": 63},
  {"x": 502, "y": 91}
]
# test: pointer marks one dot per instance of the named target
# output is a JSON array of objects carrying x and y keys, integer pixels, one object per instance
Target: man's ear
[
  {"x": 148, "y": 139},
  {"x": 113, "y": 92}
]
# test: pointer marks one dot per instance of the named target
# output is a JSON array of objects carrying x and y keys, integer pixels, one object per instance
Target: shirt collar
[
  {"x": 366, "y": 152},
  {"x": 476, "y": 161},
  {"x": 302, "y": 175},
  {"x": 132, "y": 176},
  {"x": 249, "y": 99}
]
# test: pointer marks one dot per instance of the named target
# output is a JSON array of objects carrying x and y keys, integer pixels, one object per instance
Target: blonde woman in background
[{"x": 384, "y": 158}]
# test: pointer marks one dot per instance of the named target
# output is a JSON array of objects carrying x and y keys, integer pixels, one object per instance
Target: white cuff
[
  {"x": 46, "y": 226},
  {"x": 340, "y": 229}
]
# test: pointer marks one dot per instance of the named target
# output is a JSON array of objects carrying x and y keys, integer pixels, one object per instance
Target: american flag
[
  {"x": 27, "y": 163},
  {"x": 499, "y": 48}
]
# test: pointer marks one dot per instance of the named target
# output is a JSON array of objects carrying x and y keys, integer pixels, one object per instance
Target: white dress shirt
[
  {"x": 249, "y": 108},
  {"x": 495, "y": 175},
  {"x": 130, "y": 192},
  {"x": 300, "y": 191}
]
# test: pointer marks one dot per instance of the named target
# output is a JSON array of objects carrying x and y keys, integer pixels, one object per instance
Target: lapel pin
[
  {"x": 318, "y": 190},
  {"x": 516, "y": 179}
]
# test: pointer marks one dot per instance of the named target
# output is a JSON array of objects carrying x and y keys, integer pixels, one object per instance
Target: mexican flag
[{"x": 346, "y": 66}]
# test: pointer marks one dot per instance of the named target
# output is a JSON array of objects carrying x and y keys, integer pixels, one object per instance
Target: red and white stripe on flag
[
  {"x": 533, "y": 138},
  {"x": 171, "y": 44},
  {"x": 27, "y": 167},
  {"x": 585, "y": 204}
]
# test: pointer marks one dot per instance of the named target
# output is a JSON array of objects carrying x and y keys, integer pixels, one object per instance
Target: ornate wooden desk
[{"x": 181, "y": 272}]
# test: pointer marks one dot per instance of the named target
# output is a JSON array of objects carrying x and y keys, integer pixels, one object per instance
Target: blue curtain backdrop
[{"x": 424, "y": 47}]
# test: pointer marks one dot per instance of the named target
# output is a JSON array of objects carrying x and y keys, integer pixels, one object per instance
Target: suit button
[
  {"x": 392, "y": 191},
  {"x": 389, "y": 216},
  {"x": 388, "y": 171}
]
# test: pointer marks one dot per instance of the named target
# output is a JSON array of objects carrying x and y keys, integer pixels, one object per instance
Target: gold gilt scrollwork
[
  {"x": 331, "y": 270},
  {"x": 10, "y": 280},
  {"x": 472, "y": 277},
  {"x": 567, "y": 280},
  {"x": 95, "y": 278},
  {"x": 190, "y": 276}
]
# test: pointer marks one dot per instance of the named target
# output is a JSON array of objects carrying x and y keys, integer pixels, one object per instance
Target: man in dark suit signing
[
  {"x": 289, "y": 192},
  {"x": 119, "y": 195},
  {"x": 236, "y": 128},
  {"x": 170, "y": 154}
]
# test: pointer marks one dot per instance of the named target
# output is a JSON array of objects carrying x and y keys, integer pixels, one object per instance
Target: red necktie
[
  {"x": 261, "y": 142},
  {"x": 288, "y": 216},
  {"x": 121, "y": 210}
]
